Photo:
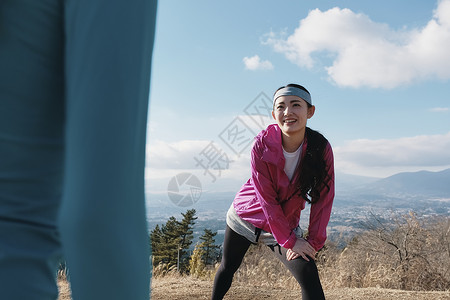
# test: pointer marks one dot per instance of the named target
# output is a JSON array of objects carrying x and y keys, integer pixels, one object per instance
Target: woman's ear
[
  {"x": 273, "y": 115},
  {"x": 311, "y": 111}
]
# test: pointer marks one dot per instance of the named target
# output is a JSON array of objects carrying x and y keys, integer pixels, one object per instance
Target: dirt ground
[{"x": 188, "y": 288}]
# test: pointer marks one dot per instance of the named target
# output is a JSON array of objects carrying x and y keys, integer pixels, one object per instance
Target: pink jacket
[{"x": 264, "y": 200}]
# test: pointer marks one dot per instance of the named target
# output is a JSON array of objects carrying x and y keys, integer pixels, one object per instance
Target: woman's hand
[{"x": 301, "y": 249}]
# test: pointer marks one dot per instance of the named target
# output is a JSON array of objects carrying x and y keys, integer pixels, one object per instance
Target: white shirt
[{"x": 292, "y": 159}]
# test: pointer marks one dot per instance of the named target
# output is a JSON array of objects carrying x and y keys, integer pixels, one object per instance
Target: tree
[
  {"x": 211, "y": 250},
  {"x": 155, "y": 238},
  {"x": 170, "y": 242},
  {"x": 166, "y": 249},
  {"x": 186, "y": 234}
]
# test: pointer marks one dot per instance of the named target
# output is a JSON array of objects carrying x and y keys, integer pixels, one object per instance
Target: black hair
[{"x": 313, "y": 175}]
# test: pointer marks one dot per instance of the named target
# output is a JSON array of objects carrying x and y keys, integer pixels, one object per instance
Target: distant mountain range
[
  {"x": 424, "y": 192},
  {"x": 422, "y": 183},
  {"x": 410, "y": 190}
]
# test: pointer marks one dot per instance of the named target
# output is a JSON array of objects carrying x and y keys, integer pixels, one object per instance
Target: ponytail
[{"x": 313, "y": 169}]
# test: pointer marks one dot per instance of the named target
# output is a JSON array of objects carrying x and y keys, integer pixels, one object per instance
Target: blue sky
[{"x": 378, "y": 73}]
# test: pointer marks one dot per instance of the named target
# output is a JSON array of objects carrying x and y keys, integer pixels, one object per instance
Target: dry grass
[
  {"x": 410, "y": 260},
  {"x": 64, "y": 289},
  {"x": 189, "y": 288},
  {"x": 412, "y": 254}
]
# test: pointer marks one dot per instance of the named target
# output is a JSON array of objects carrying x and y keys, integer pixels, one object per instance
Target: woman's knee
[
  {"x": 304, "y": 271},
  {"x": 229, "y": 267}
]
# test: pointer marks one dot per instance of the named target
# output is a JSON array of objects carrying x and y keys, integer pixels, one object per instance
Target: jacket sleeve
[
  {"x": 267, "y": 195},
  {"x": 321, "y": 210}
]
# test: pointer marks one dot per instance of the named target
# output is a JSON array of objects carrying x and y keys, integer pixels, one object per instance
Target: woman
[{"x": 291, "y": 165}]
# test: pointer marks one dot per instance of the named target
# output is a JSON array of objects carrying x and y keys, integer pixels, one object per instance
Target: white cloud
[
  {"x": 165, "y": 157},
  {"x": 168, "y": 159},
  {"x": 386, "y": 157},
  {"x": 255, "y": 63},
  {"x": 366, "y": 53},
  {"x": 377, "y": 158},
  {"x": 439, "y": 109},
  {"x": 175, "y": 155}
]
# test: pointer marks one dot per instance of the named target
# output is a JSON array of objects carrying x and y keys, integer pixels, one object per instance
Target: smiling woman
[
  {"x": 291, "y": 164},
  {"x": 292, "y": 108}
]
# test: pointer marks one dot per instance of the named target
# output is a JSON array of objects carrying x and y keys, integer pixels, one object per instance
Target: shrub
[{"x": 408, "y": 253}]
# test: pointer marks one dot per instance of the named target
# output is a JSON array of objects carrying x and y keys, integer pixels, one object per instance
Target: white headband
[{"x": 293, "y": 91}]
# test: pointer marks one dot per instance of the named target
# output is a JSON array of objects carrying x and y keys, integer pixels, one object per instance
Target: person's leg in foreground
[
  {"x": 74, "y": 80},
  {"x": 31, "y": 147},
  {"x": 103, "y": 220},
  {"x": 234, "y": 248}
]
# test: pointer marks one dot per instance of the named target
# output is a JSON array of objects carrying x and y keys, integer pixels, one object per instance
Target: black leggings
[{"x": 234, "y": 248}]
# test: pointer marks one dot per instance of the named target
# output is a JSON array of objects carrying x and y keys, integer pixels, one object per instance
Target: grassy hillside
[
  {"x": 190, "y": 288},
  {"x": 409, "y": 258}
]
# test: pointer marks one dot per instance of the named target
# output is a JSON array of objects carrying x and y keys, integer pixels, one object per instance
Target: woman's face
[{"x": 291, "y": 114}]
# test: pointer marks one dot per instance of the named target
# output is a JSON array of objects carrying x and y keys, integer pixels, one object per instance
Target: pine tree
[
  {"x": 170, "y": 242},
  {"x": 165, "y": 244},
  {"x": 155, "y": 239},
  {"x": 211, "y": 250},
  {"x": 186, "y": 233}
]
